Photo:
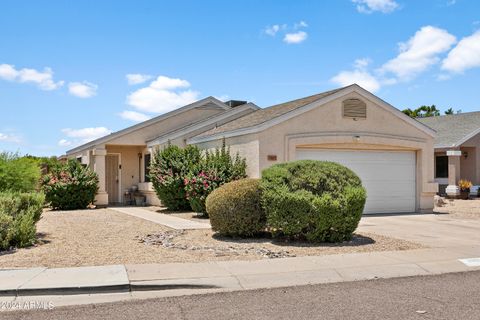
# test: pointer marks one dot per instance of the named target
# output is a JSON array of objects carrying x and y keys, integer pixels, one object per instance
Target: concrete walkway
[{"x": 163, "y": 219}]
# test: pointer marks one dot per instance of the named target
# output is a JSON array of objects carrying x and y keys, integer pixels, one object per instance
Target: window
[
  {"x": 441, "y": 167},
  {"x": 147, "y": 167}
]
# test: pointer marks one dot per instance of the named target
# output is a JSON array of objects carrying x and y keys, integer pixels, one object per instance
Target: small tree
[{"x": 20, "y": 174}]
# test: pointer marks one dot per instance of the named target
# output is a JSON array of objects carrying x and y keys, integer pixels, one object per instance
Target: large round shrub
[
  {"x": 317, "y": 200},
  {"x": 70, "y": 186},
  {"x": 235, "y": 210}
]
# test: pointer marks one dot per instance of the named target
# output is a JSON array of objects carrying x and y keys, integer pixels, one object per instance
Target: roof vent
[
  {"x": 235, "y": 103},
  {"x": 354, "y": 109}
]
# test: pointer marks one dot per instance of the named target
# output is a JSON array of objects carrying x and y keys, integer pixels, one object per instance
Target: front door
[{"x": 112, "y": 168}]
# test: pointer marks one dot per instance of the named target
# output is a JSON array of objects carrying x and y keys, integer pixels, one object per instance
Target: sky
[{"x": 72, "y": 71}]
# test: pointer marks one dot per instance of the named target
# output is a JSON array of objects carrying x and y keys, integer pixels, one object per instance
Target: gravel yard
[
  {"x": 469, "y": 209},
  {"x": 102, "y": 237}
]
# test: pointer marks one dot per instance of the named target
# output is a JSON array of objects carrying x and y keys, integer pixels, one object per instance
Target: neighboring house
[
  {"x": 457, "y": 149},
  {"x": 391, "y": 152}
]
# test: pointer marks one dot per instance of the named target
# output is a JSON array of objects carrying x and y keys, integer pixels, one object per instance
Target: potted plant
[{"x": 464, "y": 186}]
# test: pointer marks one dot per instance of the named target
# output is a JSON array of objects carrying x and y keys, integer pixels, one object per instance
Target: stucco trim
[
  {"x": 198, "y": 125},
  {"x": 347, "y": 90},
  {"x": 141, "y": 125}
]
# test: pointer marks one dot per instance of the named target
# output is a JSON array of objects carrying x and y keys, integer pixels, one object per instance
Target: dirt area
[
  {"x": 179, "y": 214},
  {"x": 469, "y": 209},
  {"x": 102, "y": 237}
]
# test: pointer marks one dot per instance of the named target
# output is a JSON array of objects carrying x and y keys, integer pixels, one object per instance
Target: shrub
[
  {"x": 316, "y": 200},
  {"x": 215, "y": 169},
  {"x": 70, "y": 186},
  {"x": 168, "y": 171},
  {"x": 235, "y": 209},
  {"x": 19, "y": 213},
  {"x": 17, "y": 173}
]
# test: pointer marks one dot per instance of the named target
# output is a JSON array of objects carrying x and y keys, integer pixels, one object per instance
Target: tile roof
[
  {"x": 454, "y": 128},
  {"x": 263, "y": 115}
]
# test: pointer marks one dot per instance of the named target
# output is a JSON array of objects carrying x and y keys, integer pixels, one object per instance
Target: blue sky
[{"x": 64, "y": 64}]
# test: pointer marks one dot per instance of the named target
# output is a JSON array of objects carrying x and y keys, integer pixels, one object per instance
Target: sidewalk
[{"x": 90, "y": 284}]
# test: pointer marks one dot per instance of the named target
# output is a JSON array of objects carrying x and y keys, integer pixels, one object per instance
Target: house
[
  {"x": 457, "y": 149},
  {"x": 391, "y": 152}
]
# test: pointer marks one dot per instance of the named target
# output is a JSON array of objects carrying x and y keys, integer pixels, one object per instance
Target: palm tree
[{"x": 449, "y": 111}]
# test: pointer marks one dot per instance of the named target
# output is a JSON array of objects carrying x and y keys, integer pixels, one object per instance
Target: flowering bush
[
  {"x": 198, "y": 187},
  {"x": 183, "y": 178},
  {"x": 216, "y": 168},
  {"x": 70, "y": 186},
  {"x": 168, "y": 171}
]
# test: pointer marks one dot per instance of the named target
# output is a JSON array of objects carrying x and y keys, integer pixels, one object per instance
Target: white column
[
  {"x": 101, "y": 199},
  {"x": 453, "y": 172}
]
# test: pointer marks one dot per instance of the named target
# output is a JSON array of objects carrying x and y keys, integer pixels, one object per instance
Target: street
[{"x": 447, "y": 296}]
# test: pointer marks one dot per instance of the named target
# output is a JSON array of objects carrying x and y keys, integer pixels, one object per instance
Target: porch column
[
  {"x": 453, "y": 172},
  {"x": 101, "y": 199}
]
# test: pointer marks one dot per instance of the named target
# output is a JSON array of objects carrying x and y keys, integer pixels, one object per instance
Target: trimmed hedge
[
  {"x": 70, "y": 186},
  {"x": 19, "y": 213},
  {"x": 235, "y": 209},
  {"x": 316, "y": 200}
]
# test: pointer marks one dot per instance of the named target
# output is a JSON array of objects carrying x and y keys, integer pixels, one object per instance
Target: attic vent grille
[{"x": 354, "y": 109}]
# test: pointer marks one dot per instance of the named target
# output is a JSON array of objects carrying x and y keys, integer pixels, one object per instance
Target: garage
[{"x": 388, "y": 176}]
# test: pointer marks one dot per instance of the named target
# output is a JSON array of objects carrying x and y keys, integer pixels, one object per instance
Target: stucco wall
[{"x": 473, "y": 146}]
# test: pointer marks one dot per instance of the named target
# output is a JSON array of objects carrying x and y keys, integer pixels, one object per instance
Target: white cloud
[
  {"x": 465, "y": 55},
  {"x": 137, "y": 78},
  {"x": 451, "y": 2},
  {"x": 272, "y": 30},
  {"x": 369, "y": 6},
  {"x": 6, "y": 137},
  {"x": 64, "y": 143},
  {"x": 82, "y": 89},
  {"x": 162, "y": 95},
  {"x": 359, "y": 75},
  {"x": 43, "y": 79},
  {"x": 296, "y": 37},
  {"x": 134, "y": 116},
  {"x": 81, "y": 136},
  {"x": 419, "y": 53},
  {"x": 301, "y": 24}
]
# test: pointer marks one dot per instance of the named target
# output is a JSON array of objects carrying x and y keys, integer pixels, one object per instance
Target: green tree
[
  {"x": 422, "y": 112},
  {"x": 449, "y": 111},
  {"x": 20, "y": 174}
]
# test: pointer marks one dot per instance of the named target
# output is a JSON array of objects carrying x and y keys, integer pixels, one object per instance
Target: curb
[{"x": 121, "y": 288}]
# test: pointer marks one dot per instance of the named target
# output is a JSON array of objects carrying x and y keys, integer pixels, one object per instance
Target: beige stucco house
[
  {"x": 457, "y": 150},
  {"x": 392, "y": 153}
]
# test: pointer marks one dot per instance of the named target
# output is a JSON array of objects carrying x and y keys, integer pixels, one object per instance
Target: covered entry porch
[{"x": 121, "y": 169}]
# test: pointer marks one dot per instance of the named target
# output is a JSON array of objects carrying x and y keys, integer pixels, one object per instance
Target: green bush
[
  {"x": 70, "y": 186},
  {"x": 168, "y": 170},
  {"x": 21, "y": 174},
  {"x": 315, "y": 200},
  {"x": 235, "y": 209},
  {"x": 19, "y": 213},
  {"x": 215, "y": 169}
]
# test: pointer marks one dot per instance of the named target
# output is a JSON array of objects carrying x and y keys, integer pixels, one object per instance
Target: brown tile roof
[{"x": 263, "y": 115}]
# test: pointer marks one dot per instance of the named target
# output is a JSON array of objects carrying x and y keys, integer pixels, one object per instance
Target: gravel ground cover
[
  {"x": 469, "y": 209},
  {"x": 103, "y": 237}
]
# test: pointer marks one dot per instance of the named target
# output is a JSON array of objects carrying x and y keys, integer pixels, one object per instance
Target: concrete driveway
[{"x": 432, "y": 230}]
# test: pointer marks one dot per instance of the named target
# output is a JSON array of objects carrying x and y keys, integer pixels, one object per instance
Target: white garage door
[{"x": 388, "y": 177}]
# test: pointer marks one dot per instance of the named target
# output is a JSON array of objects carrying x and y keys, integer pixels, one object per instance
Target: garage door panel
[{"x": 388, "y": 177}]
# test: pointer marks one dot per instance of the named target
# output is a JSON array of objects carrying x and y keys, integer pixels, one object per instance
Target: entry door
[
  {"x": 388, "y": 176},
  {"x": 112, "y": 168}
]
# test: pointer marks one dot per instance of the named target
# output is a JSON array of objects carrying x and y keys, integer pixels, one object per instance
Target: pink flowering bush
[
  {"x": 198, "y": 187},
  {"x": 70, "y": 186}
]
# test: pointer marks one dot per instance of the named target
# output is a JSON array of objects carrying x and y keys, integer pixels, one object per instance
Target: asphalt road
[{"x": 450, "y": 296}]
